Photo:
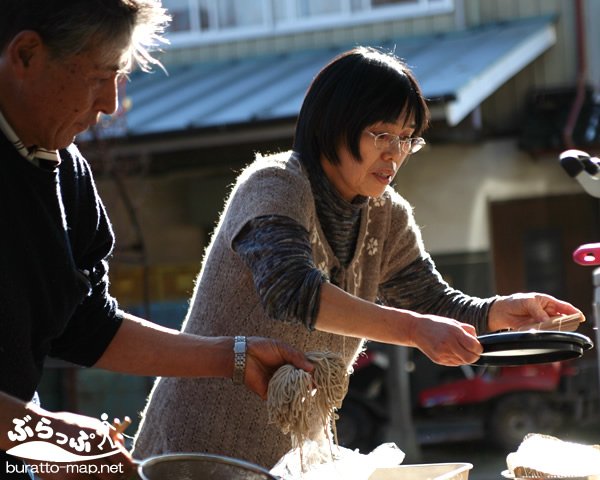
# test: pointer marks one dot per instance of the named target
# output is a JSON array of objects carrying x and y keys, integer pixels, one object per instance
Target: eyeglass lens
[{"x": 386, "y": 141}]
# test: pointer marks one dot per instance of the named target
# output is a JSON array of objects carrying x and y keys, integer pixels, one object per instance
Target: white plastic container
[{"x": 430, "y": 471}]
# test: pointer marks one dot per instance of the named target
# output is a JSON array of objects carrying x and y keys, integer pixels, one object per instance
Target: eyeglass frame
[{"x": 404, "y": 145}]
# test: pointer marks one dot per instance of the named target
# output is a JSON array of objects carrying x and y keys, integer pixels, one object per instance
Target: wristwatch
[{"x": 239, "y": 366}]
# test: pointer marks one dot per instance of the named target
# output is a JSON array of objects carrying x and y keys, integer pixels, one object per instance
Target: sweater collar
[
  {"x": 40, "y": 157},
  {"x": 328, "y": 197}
]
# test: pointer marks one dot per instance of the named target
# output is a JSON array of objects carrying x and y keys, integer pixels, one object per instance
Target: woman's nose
[{"x": 393, "y": 154}]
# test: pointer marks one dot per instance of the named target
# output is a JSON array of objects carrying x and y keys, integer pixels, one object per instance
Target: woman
[{"x": 315, "y": 248}]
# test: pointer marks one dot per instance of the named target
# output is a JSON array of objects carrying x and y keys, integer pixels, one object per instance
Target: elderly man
[{"x": 60, "y": 63}]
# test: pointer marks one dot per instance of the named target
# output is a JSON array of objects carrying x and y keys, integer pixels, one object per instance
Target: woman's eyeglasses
[{"x": 387, "y": 141}]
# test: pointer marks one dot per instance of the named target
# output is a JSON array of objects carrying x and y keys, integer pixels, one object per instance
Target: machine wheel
[
  {"x": 514, "y": 416},
  {"x": 355, "y": 426}
]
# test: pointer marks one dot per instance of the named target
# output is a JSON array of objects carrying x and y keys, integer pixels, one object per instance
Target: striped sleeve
[
  {"x": 277, "y": 251},
  {"x": 419, "y": 287}
]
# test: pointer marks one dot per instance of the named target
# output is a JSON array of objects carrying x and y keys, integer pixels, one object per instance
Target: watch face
[{"x": 240, "y": 345}]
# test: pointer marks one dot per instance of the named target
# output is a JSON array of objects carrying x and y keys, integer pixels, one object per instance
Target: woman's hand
[
  {"x": 264, "y": 356},
  {"x": 522, "y": 309},
  {"x": 445, "y": 341}
]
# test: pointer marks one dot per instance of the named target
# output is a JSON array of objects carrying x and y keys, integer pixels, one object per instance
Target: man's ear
[{"x": 24, "y": 48}]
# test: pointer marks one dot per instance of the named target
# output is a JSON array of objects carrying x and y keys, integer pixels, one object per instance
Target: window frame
[{"x": 345, "y": 18}]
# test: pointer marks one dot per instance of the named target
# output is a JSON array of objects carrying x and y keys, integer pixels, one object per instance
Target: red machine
[
  {"x": 496, "y": 404},
  {"x": 492, "y": 383}
]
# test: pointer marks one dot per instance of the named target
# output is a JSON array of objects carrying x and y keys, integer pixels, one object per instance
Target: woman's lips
[{"x": 383, "y": 177}]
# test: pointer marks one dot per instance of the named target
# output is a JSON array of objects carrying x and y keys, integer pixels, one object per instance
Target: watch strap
[{"x": 239, "y": 355}]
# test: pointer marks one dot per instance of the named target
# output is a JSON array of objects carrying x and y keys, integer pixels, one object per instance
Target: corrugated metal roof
[{"x": 461, "y": 68}]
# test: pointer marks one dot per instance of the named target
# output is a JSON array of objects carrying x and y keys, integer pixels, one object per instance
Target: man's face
[{"x": 65, "y": 97}]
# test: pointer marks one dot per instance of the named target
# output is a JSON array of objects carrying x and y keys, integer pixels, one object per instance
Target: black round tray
[{"x": 526, "y": 348}]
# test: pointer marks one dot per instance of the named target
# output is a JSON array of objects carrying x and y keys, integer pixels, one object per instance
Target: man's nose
[{"x": 107, "y": 100}]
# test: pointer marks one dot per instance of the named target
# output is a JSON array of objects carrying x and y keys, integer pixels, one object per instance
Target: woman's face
[{"x": 378, "y": 167}]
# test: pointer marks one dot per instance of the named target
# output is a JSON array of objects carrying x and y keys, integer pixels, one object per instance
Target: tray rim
[{"x": 563, "y": 345}]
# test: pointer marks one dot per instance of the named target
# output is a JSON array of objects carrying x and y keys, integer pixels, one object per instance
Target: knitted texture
[
  {"x": 212, "y": 415},
  {"x": 277, "y": 251},
  {"x": 54, "y": 228}
]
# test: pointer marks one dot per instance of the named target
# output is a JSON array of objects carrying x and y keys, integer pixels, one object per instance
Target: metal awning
[{"x": 456, "y": 71}]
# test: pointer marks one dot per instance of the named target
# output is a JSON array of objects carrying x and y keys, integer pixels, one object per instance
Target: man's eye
[
  {"x": 106, "y": 77},
  {"x": 98, "y": 80}
]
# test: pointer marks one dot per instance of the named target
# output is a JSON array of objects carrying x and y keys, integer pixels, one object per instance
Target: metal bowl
[{"x": 198, "y": 466}]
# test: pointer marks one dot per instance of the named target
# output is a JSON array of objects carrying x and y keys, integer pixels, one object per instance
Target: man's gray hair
[{"x": 70, "y": 27}]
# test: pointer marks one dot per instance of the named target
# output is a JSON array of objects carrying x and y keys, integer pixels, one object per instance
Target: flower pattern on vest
[
  {"x": 378, "y": 201},
  {"x": 372, "y": 245}
]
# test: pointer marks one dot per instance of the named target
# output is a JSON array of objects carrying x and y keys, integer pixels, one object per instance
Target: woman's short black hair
[{"x": 358, "y": 88}]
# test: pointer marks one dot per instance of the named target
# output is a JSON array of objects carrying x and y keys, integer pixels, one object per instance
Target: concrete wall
[{"x": 450, "y": 187}]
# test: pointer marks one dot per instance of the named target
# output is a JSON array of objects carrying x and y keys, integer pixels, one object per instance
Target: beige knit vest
[{"x": 212, "y": 415}]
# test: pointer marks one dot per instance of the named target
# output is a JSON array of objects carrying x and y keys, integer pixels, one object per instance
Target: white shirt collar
[{"x": 35, "y": 154}]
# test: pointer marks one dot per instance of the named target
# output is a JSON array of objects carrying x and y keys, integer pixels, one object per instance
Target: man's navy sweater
[{"x": 55, "y": 237}]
